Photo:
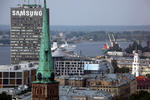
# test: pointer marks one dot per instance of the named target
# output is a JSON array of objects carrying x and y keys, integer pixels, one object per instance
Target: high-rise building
[
  {"x": 45, "y": 87},
  {"x": 26, "y": 29}
]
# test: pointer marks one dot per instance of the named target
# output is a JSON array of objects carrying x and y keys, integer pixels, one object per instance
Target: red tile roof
[{"x": 143, "y": 81}]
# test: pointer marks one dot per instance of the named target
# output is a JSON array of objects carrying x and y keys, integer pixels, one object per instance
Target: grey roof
[
  {"x": 68, "y": 91},
  {"x": 117, "y": 78}
]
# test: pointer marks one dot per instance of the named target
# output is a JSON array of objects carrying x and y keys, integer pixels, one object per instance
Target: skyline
[{"x": 89, "y": 12}]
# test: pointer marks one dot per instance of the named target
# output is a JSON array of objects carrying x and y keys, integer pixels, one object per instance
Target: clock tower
[{"x": 45, "y": 87}]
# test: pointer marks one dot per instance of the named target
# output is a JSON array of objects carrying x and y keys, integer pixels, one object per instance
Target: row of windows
[
  {"x": 108, "y": 90},
  {"x": 25, "y": 32},
  {"x": 26, "y": 45},
  {"x": 25, "y": 54},
  {"x": 25, "y": 36},
  {"x": 10, "y": 74},
  {"x": 27, "y": 25},
  {"x": 143, "y": 87},
  {"x": 69, "y": 74},
  {"x": 25, "y": 50},
  {"x": 25, "y": 39},
  {"x": 24, "y": 22},
  {"x": 10, "y": 81},
  {"x": 69, "y": 71},
  {"x": 60, "y": 62},
  {"x": 24, "y": 59},
  {"x": 25, "y": 18},
  {"x": 71, "y": 66}
]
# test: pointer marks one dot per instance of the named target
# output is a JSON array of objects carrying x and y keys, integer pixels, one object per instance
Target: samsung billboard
[
  {"x": 26, "y": 13},
  {"x": 30, "y": 12}
]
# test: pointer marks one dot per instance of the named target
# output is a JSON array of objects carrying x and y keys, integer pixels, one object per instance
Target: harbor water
[{"x": 91, "y": 49}]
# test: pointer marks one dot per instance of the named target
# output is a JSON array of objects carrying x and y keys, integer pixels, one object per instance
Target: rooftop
[
  {"x": 29, "y": 5},
  {"x": 68, "y": 91},
  {"x": 19, "y": 67},
  {"x": 116, "y": 79}
]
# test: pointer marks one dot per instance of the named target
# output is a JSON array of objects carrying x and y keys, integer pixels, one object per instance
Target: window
[
  {"x": 0, "y": 74},
  {"x": 5, "y": 81},
  {"x": 19, "y": 74},
  {"x": 5, "y": 74},
  {"x": 12, "y": 81},
  {"x": 19, "y": 81},
  {"x": 12, "y": 74},
  {"x": 0, "y": 81}
]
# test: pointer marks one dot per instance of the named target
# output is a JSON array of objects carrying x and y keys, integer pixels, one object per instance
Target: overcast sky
[{"x": 89, "y": 12}]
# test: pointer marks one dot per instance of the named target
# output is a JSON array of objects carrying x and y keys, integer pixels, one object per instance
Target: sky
[{"x": 88, "y": 12}]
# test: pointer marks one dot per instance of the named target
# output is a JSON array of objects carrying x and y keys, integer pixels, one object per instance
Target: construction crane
[
  {"x": 111, "y": 42},
  {"x": 114, "y": 39}
]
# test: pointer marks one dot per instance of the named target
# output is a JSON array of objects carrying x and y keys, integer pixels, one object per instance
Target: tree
[
  {"x": 136, "y": 46},
  {"x": 117, "y": 69},
  {"x": 4, "y": 96},
  {"x": 114, "y": 64}
]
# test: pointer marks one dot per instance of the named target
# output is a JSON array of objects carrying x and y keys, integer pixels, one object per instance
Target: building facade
[
  {"x": 80, "y": 93},
  {"x": 127, "y": 62},
  {"x": 74, "y": 81},
  {"x": 66, "y": 65},
  {"x": 26, "y": 29},
  {"x": 69, "y": 65},
  {"x": 116, "y": 84},
  {"x": 17, "y": 75}
]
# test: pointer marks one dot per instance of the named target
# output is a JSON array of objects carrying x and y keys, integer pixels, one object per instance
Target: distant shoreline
[
  {"x": 85, "y": 28},
  {"x": 4, "y": 45}
]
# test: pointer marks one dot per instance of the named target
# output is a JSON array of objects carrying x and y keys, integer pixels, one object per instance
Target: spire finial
[{"x": 44, "y": 3}]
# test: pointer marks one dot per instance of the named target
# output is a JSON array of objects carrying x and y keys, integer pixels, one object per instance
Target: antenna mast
[
  {"x": 28, "y": 1},
  {"x": 35, "y": 1},
  {"x": 39, "y": 2}
]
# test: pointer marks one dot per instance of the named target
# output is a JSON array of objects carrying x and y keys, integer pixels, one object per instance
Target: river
[
  {"x": 84, "y": 49},
  {"x": 93, "y": 49}
]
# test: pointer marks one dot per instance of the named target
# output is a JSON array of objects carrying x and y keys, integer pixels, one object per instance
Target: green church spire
[{"x": 45, "y": 72}]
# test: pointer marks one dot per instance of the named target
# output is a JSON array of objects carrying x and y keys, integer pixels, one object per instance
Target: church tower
[
  {"x": 45, "y": 87},
  {"x": 136, "y": 70}
]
